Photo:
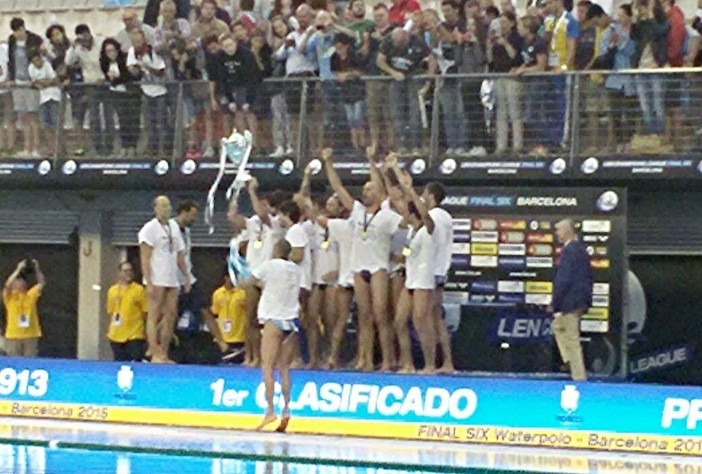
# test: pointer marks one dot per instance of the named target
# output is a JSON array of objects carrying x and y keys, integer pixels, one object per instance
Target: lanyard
[
  {"x": 367, "y": 222},
  {"x": 167, "y": 230},
  {"x": 23, "y": 301},
  {"x": 410, "y": 235}
]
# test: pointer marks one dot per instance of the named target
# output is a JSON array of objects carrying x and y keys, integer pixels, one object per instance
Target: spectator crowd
[{"x": 206, "y": 65}]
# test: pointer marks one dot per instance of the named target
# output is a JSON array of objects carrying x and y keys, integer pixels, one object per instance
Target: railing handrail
[{"x": 480, "y": 75}]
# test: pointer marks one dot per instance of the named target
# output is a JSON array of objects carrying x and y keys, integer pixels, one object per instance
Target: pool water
[{"x": 33, "y": 459}]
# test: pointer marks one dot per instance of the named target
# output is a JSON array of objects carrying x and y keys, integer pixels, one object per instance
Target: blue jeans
[
  {"x": 649, "y": 88},
  {"x": 556, "y": 110},
  {"x": 406, "y": 117},
  {"x": 536, "y": 107},
  {"x": 451, "y": 99},
  {"x": 157, "y": 123}
]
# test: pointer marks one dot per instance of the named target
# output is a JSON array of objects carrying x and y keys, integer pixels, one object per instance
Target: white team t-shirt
[
  {"x": 419, "y": 264},
  {"x": 281, "y": 290},
  {"x": 46, "y": 94},
  {"x": 341, "y": 232},
  {"x": 325, "y": 254},
  {"x": 298, "y": 235},
  {"x": 262, "y": 239},
  {"x": 443, "y": 240},
  {"x": 372, "y": 234},
  {"x": 165, "y": 241}
]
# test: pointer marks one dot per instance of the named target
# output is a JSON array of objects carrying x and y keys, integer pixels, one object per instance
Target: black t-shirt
[
  {"x": 501, "y": 62},
  {"x": 407, "y": 60},
  {"x": 531, "y": 49},
  {"x": 236, "y": 72},
  {"x": 352, "y": 91},
  {"x": 585, "y": 48},
  {"x": 374, "y": 42}
]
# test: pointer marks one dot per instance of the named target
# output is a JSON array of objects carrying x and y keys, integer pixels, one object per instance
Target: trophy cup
[{"x": 234, "y": 150}]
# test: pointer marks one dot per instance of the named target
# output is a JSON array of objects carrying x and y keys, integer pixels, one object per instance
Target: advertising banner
[
  {"x": 505, "y": 255},
  {"x": 651, "y": 419},
  {"x": 638, "y": 167}
]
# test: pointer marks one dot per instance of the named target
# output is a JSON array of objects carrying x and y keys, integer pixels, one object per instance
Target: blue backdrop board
[{"x": 624, "y": 417}]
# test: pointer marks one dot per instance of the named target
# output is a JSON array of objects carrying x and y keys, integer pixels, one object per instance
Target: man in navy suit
[{"x": 572, "y": 296}]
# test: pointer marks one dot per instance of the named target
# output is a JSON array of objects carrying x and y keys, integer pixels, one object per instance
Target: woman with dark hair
[
  {"x": 120, "y": 101},
  {"x": 57, "y": 49}
]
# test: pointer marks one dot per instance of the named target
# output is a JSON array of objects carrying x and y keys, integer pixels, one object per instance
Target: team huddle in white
[{"x": 303, "y": 260}]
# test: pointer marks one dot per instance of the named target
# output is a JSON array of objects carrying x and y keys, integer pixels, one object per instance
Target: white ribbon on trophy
[{"x": 236, "y": 149}]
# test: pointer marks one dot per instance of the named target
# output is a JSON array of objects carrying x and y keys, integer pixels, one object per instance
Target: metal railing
[{"x": 571, "y": 115}]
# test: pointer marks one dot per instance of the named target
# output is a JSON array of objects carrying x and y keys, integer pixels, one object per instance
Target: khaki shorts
[
  {"x": 596, "y": 97},
  {"x": 22, "y": 347},
  {"x": 26, "y": 100}
]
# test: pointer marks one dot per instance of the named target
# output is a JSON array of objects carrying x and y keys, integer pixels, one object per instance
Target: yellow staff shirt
[
  {"x": 127, "y": 307},
  {"x": 566, "y": 27},
  {"x": 21, "y": 313},
  {"x": 230, "y": 309}
]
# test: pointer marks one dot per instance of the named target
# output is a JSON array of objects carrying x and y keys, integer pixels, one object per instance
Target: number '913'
[{"x": 34, "y": 383}]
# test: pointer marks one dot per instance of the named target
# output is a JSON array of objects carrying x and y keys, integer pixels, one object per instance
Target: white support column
[{"x": 98, "y": 261}]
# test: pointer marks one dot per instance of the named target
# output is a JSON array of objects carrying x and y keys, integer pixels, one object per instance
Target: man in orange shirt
[{"x": 23, "y": 330}]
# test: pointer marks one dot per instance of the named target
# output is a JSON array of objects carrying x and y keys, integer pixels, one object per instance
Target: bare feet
[
  {"x": 331, "y": 364},
  {"x": 386, "y": 368},
  {"x": 446, "y": 369},
  {"x": 406, "y": 369},
  {"x": 428, "y": 371},
  {"x": 364, "y": 364},
  {"x": 268, "y": 418},
  {"x": 297, "y": 364},
  {"x": 284, "y": 420}
]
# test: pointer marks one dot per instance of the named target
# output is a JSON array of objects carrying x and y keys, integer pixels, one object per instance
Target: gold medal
[
  {"x": 258, "y": 244},
  {"x": 364, "y": 234},
  {"x": 324, "y": 245},
  {"x": 406, "y": 251}
]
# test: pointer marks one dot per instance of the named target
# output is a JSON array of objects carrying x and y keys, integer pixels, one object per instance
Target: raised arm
[
  {"x": 405, "y": 181},
  {"x": 256, "y": 203},
  {"x": 15, "y": 274},
  {"x": 335, "y": 182},
  {"x": 375, "y": 173},
  {"x": 41, "y": 279},
  {"x": 306, "y": 184},
  {"x": 233, "y": 216}
]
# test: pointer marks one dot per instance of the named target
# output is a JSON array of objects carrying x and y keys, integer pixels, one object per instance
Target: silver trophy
[{"x": 234, "y": 151}]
